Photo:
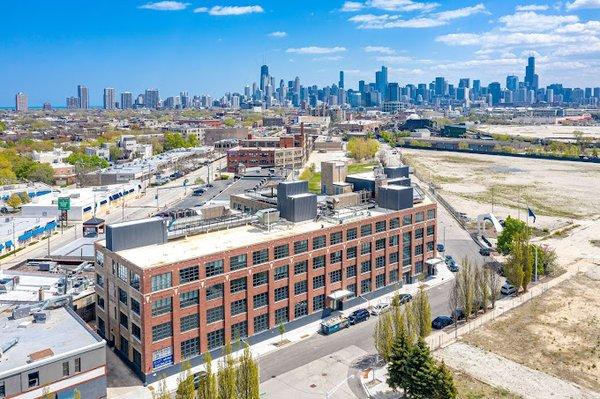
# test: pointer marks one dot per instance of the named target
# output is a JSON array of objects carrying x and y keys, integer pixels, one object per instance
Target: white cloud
[
  {"x": 230, "y": 10},
  {"x": 533, "y": 22},
  {"x": 278, "y": 34},
  {"x": 393, "y": 59},
  {"x": 352, "y": 6},
  {"x": 379, "y": 49},
  {"x": 401, "y": 5},
  {"x": 581, "y": 4},
  {"x": 329, "y": 58},
  {"x": 316, "y": 50},
  {"x": 460, "y": 12},
  {"x": 532, "y": 7},
  {"x": 165, "y": 6}
]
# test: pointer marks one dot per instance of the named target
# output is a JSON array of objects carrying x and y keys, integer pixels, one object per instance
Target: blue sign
[{"x": 162, "y": 362}]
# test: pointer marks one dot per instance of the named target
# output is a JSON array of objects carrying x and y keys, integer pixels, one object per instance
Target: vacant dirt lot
[
  {"x": 557, "y": 333},
  {"x": 541, "y": 131},
  {"x": 471, "y": 388},
  {"x": 557, "y": 191}
]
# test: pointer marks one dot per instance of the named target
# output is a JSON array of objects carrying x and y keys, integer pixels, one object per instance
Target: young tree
[
  {"x": 185, "y": 383},
  {"x": 493, "y": 283},
  {"x": 444, "y": 386},
  {"x": 208, "y": 383},
  {"x": 412, "y": 323},
  {"x": 247, "y": 376},
  {"x": 512, "y": 227},
  {"x": 482, "y": 291},
  {"x": 465, "y": 281},
  {"x": 384, "y": 336},
  {"x": 398, "y": 371},
  {"x": 519, "y": 265},
  {"x": 14, "y": 201},
  {"x": 226, "y": 376},
  {"x": 281, "y": 329},
  {"x": 162, "y": 392},
  {"x": 421, "y": 379},
  {"x": 76, "y": 394},
  {"x": 422, "y": 310}
]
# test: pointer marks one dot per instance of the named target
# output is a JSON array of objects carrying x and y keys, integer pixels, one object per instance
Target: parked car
[
  {"x": 404, "y": 298},
  {"x": 454, "y": 267},
  {"x": 380, "y": 308},
  {"x": 198, "y": 192},
  {"x": 198, "y": 377},
  {"x": 440, "y": 248},
  {"x": 485, "y": 251},
  {"x": 358, "y": 315},
  {"x": 458, "y": 314},
  {"x": 508, "y": 289},
  {"x": 448, "y": 259},
  {"x": 441, "y": 322}
]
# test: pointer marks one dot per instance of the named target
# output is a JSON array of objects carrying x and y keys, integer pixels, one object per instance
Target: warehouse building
[{"x": 185, "y": 287}]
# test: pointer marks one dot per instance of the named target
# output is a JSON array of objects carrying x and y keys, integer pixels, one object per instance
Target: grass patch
[
  {"x": 471, "y": 388},
  {"x": 562, "y": 233},
  {"x": 459, "y": 159},
  {"x": 355, "y": 168}
]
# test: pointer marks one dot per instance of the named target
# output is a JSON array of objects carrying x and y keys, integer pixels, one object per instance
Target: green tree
[
  {"x": 360, "y": 149},
  {"x": 208, "y": 383},
  {"x": 76, "y": 394},
  {"x": 519, "y": 265},
  {"x": 422, "y": 310},
  {"x": 421, "y": 378},
  {"x": 40, "y": 172},
  {"x": 281, "y": 328},
  {"x": 87, "y": 162},
  {"x": 384, "y": 336},
  {"x": 398, "y": 365},
  {"x": 2, "y": 126},
  {"x": 14, "y": 201},
  {"x": 230, "y": 122},
  {"x": 115, "y": 153},
  {"x": 512, "y": 227},
  {"x": 226, "y": 375},
  {"x": 157, "y": 147},
  {"x": 174, "y": 140},
  {"x": 444, "y": 383},
  {"x": 247, "y": 376},
  {"x": 185, "y": 383}
]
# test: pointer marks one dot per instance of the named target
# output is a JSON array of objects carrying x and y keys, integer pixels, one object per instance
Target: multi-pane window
[
  {"x": 189, "y": 274},
  {"x": 190, "y": 348},
  {"x": 162, "y": 306},
  {"x": 431, "y": 214},
  {"x": 335, "y": 238},
  {"x": 239, "y": 330},
  {"x": 351, "y": 234},
  {"x": 162, "y": 331},
  {"x": 379, "y": 281},
  {"x": 134, "y": 280},
  {"x": 122, "y": 272},
  {"x": 282, "y": 315},
  {"x": 237, "y": 262},
  {"x": 406, "y": 256},
  {"x": 335, "y": 276},
  {"x": 335, "y": 257},
  {"x": 419, "y": 266},
  {"x": 65, "y": 369},
  {"x": 394, "y": 276},
  {"x": 189, "y": 298},
  {"x": 99, "y": 280},
  {"x": 135, "y": 306},
  {"x": 318, "y": 302},
  {"x": 365, "y": 230},
  {"x": 393, "y": 241},
  {"x": 281, "y": 272},
  {"x": 406, "y": 238},
  {"x": 394, "y": 223},
  {"x": 260, "y": 300},
  {"x": 215, "y": 339},
  {"x": 300, "y": 309},
  {"x": 430, "y": 230},
  {"x": 380, "y": 244},
  {"x": 380, "y": 226},
  {"x": 365, "y": 266},
  {"x": 122, "y": 296},
  {"x": 160, "y": 281},
  {"x": 261, "y": 323},
  {"x": 136, "y": 331},
  {"x": 419, "y": 249},
  {"x": 237, "y": 285},
  {"x": 214, "y": 268},
  {"x": 215, "y": 291},
  {"x": 394, "y": 257},
  {"x": 124, "y": 320},
  {"x": 301, "y": 267},
  {"x": 352, "y": 289},
  {"x": 260, "y": 278},
  {"x": 99, "y": 301},
  {"x": 406, "y": 220},
  {"x": 215, "y": 314},
  {"x": 318, "y": 281},
  {"x": 238, "y": 307},
  {"x": 318, "y": 242},
  {"x": 281, "y": 251},
  {"x": 419, "y": 233},
  {"x": 190, "y": 322},
  {"x": 365, "y": 286},
  {"x": 99, "y": 259},
  {"x": 260, "y": 256},
  {"x": 430, "y": 246},
  {"x": 380, "y": 262},
  {"x": 318, "y": 261},
  {"x": 351, "y": 271},
  {"x": 351, "y": 253},
  {"x": 419, "y": 217},
  {"x": 365, "y": 248},
  {"x": 281, "y": 293},
  {"x": 300, "y": 246},
  {"x": 300, "y": 287}
]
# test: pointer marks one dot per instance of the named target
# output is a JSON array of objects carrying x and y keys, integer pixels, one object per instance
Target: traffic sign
[{"x": 64, "y": 203}]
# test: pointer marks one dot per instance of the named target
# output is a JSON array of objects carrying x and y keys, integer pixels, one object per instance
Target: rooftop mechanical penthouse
[{"x": 170, "y": 290}]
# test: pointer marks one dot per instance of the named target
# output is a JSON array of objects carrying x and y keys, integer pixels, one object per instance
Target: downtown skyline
[{"x": 179, "y": 46}]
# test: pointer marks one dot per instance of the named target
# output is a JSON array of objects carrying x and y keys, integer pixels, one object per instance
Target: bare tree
[
  {"x": 494, "y": 284},
  {"x": 466, "y": 280}
]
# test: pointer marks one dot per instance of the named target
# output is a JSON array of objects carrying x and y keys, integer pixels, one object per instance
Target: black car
[
  {"x": 404, "y": 298},
  {"x": 358, "y": 315},
  {"x": 441, "y": 322},
  {"x": 485, "y": 251}
]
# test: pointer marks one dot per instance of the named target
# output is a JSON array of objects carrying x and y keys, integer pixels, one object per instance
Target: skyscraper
[
  {"x": 83, "y": 97},
  {"x": 126, "y": 100},
  {"x": 381, "y": 81},
  {"x": 109, "y": 98},
  {"x": 512, "y": 82},
  {"x": 264, "y": 77},
  {"x": 465, "y": 82},
  {"x": 531, "y": 78},
  {"x": 440, "y": 86},
  {"x": 151, "y": 98},
  {"x": 21, "y": 102},
  {"x": 495, "y": 92},
  {"x": 341, "y": 82}
]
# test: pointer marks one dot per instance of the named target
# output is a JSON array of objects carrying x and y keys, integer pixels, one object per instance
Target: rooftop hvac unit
[
  {"x": 267, "y": 216},
  {"x": 40, "y": 317},
  {"x": 5, "y": 346}
]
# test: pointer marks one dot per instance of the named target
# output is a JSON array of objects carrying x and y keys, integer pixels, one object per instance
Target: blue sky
[{"x": 214, "y": 46}]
